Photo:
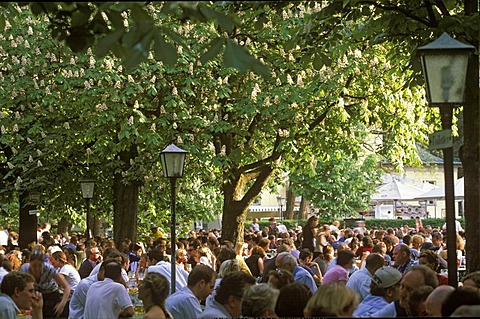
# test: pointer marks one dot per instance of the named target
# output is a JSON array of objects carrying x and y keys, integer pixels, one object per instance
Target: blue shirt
[
  {"x": 183, "y": 304},
  {"x": 370, "y": 305},
  {"x": 388, "y": 311},
  {"x": 216, "y": 310},
  {"x": 360, "y": 282},
  {"x": 302, "y": 276},
  {"x": 8, "y": 308}
]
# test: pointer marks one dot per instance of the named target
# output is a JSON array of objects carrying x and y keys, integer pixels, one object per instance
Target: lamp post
[
  {"x": 281, "y": 202},
  {"x": 173, "y": 161},
  {"x": 444, "y": 66},
  {"x": 87, "y": 185}
]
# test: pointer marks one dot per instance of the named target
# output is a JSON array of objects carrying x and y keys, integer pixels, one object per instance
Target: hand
[
  {"x": 58, "y": 309},
  {"x": 37, "y": 301}
]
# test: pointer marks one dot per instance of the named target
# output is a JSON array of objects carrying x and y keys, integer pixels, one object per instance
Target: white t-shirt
[
  {"x": 71, "y": 275},
  {"x": 106, "y": 299}
]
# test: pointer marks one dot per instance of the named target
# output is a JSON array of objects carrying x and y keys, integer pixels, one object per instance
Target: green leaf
[
  {"x": 2, "y": 23},
  {"x": 237, "y": 57},
  {"x": 164, "y": 51},
  {"x": 224, "y": 22},
  {"x": 106, "y": 43},
  {"x": 79, "y": 18},
  {"x": 214, "y": 49}
]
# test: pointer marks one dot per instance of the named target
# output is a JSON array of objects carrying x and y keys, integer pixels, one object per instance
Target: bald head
[{"x": 435, "y": 299}]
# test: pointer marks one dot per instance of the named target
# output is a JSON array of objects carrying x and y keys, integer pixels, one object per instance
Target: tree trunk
[
  {"x": 290, "y": 204},
  {"x": 125, "y": 202},
  {"x": 28, "y": 222},
  {"x": 63, "y": 225},
  {"x": 237, "y": 199},
  {"x": 304, "y": 208}
]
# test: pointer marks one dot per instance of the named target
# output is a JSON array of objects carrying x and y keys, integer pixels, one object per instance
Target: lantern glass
[
  {"x": 445, "y": 77},
  {"x": 173, "y": 161},
  {"x": 87, "y": 187},
  {"x": 444, "y": 65}
]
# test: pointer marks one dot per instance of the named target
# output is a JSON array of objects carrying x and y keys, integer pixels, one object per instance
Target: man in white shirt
[
  {"x": 361, "y": 279},
  {"x": 157, "y": 263},
  {"x": 3, "y": 237},
  {"x": 79, "y": 297},
  {"x": 109, "y": 298}
]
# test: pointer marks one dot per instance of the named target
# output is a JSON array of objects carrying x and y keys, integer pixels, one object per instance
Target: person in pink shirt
[{"x": 339, "y": 272}]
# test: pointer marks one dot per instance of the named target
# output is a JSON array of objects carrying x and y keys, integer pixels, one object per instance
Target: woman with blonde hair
[
  {"x": 239, "y": 247},
  {"x": 69, "y": 272},
  {"x": 153, "y": 291},
  {"x": 332, "y": 300}
]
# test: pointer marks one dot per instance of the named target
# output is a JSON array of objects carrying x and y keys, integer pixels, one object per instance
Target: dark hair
[
  {"x": 15, "y": 279},
  {"x": 200, "y": 272},
  {"x": 225, "y": 254},
  {"x": 156, "y": 254},
  {"x": 344, "y": 257},
  {"x": 283, "y": 277},
  {"x": 292, "y": 300},
  {"x": 459, "y": 297},
  {"x": 113, "y": 270},
  {"x": 232, "y": 284}
]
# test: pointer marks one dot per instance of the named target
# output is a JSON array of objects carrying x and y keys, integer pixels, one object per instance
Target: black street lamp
[
  {"x": 87, "y": 192},
  {"x": 444, "y": 65},
  {"x": 173, "y": 162},
  {"x": 281, "y": 202}
]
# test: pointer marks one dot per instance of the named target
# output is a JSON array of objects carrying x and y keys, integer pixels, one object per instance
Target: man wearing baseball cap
[{"x": 384, "y": 289}]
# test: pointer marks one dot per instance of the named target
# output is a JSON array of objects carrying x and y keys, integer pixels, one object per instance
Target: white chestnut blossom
[{"x": 10, "y": 165}]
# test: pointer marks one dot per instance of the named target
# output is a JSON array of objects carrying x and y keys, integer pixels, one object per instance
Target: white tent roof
[
  {"x": 400, "y": 190},
  {"x": 439, "y": 193}
]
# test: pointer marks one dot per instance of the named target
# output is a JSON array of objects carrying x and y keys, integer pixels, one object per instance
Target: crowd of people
[{"x": 308, "y": 271}]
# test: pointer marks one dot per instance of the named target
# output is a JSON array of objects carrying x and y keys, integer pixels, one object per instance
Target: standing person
[
  {"x": 47, "y": 282},
  {"x": 153, "y": 291},
  {"x": 272, "y": 226},
  {"x": 59, "y": 261},
  {"x": 360, "y": 280},
  {"x": 18, "y": 292},
  {"x": 255, "y": 227},
  {"x": 109, "y": 298},
  {"x": 256, "y": 261},
  {"x": 185, "y": 303},
  {"x": 309, "y": 232},
  {"x": 321, "y": 240}
]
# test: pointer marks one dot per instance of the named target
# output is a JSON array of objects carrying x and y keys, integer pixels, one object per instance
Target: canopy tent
[
  {"x": 401, "y": 191},
  {"x": 439, "y": 193}
]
